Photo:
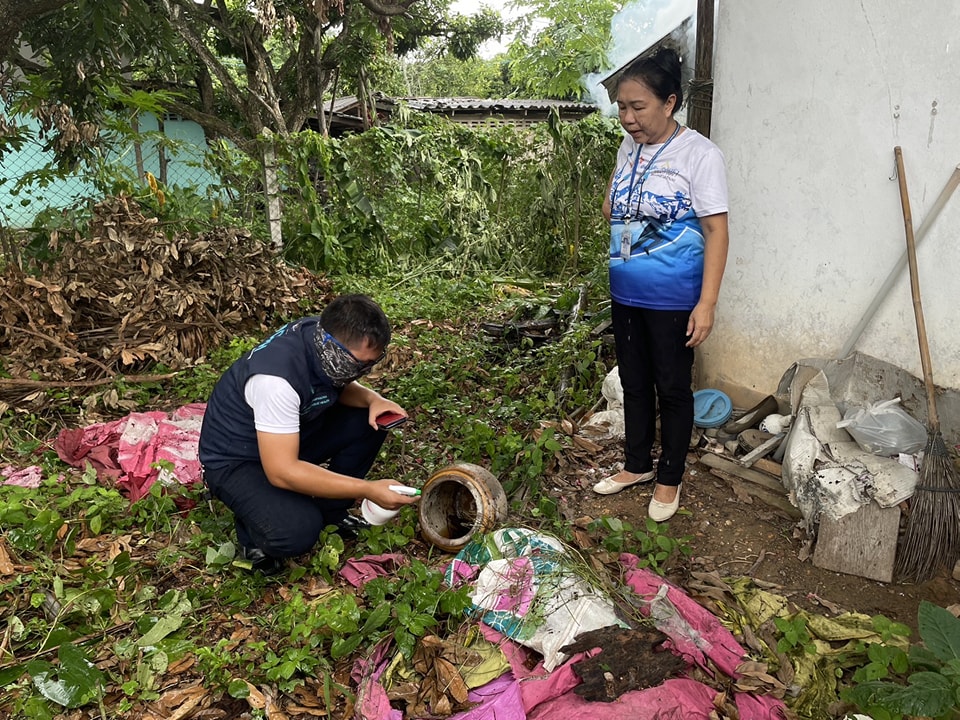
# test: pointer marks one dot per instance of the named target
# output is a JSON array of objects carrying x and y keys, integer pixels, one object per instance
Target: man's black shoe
[
  {"x": 261, "y": 562},
  {"x": 349, "y": 527}
]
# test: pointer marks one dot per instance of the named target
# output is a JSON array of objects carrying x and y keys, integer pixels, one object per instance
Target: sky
[
  {"x": 507, "y": 11},
  {"x": 637, "y": 26}
]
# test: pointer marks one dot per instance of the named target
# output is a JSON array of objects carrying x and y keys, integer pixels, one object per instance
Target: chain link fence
[{"x": 173, "y": 150}]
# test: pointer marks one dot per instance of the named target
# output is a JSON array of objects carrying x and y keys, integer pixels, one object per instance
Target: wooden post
[
  {"x": 272, "y": 190},
  {"x": 138, "y": 147},
  {"x": 161, "y": 153},
  {"x": 700, "y": 108}
]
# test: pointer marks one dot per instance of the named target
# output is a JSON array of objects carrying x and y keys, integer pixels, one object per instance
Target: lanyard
[{"x": 646, "y": 172}]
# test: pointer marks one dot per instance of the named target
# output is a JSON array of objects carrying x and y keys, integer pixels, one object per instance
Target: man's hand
[
  {"x": 378, "y": 407},
  {"x": 379, "y": 491}
]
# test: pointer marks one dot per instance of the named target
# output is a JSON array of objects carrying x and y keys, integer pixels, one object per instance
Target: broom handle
[{"x": 933, "y": 419}]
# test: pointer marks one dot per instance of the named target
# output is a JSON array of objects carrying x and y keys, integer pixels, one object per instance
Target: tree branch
[
  {"x": 387, "y": 9},
  {"x": 212, "y": 62},
  {"x": 14, "y": 14},
  {"x": 213, "y": 123}
]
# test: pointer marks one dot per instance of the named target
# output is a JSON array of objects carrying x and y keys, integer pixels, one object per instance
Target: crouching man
[{"x": 289, "y": 435}]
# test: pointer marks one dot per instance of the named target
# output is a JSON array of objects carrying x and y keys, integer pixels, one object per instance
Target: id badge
[{"x": 626, "y": 240}]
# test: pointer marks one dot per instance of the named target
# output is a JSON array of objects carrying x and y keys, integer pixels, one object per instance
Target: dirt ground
[{"x": 737, "y": 535}]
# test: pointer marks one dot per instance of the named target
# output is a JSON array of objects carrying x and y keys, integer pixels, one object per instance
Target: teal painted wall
[{"x": 18, "y": 208}]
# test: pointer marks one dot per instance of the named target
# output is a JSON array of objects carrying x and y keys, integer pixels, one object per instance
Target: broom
[{"x": 932, "y": 537}]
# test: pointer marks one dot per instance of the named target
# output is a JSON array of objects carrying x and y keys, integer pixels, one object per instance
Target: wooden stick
[
  {"x": 764, "y": 448},
  {"x": 933, "y": 419},
  {"x": 712, "y": 460}
]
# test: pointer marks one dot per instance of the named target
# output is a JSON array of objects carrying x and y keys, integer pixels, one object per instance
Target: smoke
[{"x": 635, "y": 28}]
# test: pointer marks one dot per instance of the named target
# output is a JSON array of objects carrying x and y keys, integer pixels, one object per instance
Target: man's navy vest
[{"x": 228, "y": 433}]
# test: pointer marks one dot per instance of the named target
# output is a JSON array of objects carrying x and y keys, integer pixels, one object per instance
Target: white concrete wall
[{"x": 810, "y": 99}]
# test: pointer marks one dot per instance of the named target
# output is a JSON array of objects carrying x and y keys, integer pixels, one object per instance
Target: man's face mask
[{"x": 339, "y": 364}]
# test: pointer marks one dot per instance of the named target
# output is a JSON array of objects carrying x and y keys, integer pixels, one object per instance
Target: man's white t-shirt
[{"x": 276, "y": 405}]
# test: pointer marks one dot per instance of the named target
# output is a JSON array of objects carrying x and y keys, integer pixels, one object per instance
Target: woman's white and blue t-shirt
[{"x": 656, "y": 241}]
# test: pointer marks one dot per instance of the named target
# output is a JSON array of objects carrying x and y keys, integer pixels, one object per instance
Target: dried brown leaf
[{"x": 6, "y": 566}]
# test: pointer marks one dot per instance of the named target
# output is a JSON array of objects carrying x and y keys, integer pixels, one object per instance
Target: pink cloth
[
  {"x": 372, "y": 701},
  {"x": 358, "y": 571},
  {"x": 677, "y": 699},
  {"x": 536, "y": 684},
  {"x": 29, "y": 477},
  {"x": 497, "y": 700},
  {"x": 528, "y": 691},
  {"x": 695, "y": 632},
  {"x": 126, "y": 451}
]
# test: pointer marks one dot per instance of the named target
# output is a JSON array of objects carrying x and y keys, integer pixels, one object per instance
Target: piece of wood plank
[
  {"x": 764, "y": 448},
  {"x": 769, "y": 466},
  {"x": 712, "y": 460},
  {"x": 768, "y": 497},
  {"x": 862, "y": 543}
]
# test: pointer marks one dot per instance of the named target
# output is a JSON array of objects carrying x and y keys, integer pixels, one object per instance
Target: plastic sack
[{"x": 885, "y": 429}]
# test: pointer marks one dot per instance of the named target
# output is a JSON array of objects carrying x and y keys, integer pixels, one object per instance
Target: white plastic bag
[{"x": 885, "y": 429}]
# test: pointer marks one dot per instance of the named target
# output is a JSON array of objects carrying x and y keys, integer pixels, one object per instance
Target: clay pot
[{"x": 459, "y": 502}]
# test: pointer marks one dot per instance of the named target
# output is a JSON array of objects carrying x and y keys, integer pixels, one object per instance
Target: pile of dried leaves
[{"x": 130, "y": 295}]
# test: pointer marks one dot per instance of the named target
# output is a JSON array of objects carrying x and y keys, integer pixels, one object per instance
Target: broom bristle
[{"x": 932, "y": 538}]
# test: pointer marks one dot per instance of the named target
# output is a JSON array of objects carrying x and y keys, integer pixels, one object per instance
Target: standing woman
[{"x": 667, "y": 207}]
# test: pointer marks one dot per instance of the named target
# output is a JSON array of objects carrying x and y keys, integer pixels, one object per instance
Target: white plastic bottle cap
[{"x": 376, "y": 515}]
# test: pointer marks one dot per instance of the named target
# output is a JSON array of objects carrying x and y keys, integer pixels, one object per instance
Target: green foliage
[
  {"x": 794, "y": 636},
  {"x": 72, "y": 683},
  {"x": 196, "y": 383},
  {"x": 444, "y": 75},
  {"x": 931, "y": 671},
  {"x": 651, "y": 543},
  {"x": 391, "y": 537},
  {"x": 410, "y": 603},
  {"x": 430, "y": 195},
  {"x": 549, "y": 59},
  {"x": 292, "y": 53}
]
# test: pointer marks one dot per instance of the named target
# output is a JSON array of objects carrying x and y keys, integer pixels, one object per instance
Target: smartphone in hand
[{"x": 388, "y": 420}]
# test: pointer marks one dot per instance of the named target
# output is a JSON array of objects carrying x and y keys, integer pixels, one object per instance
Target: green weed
[
  {"x": 651, "y": 543},
  {"x": 923, "y": 682}
]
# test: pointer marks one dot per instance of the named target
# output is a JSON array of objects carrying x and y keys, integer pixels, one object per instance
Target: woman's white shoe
[
  {"x": 661, "y": 511},
  {"x": 608, "y": 486}
]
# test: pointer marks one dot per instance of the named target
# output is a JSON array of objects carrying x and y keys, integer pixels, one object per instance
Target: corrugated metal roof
[
  {"x": 503, "y": 105},
  {"x": 469, "y": 111}
]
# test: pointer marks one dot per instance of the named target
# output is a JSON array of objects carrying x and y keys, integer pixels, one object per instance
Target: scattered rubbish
[
  {"x": 762, "y": 485},
  {"x": 764, "y": 448},
  {"x": 358, "y": 571},
  {"x": 885, "y": 429},
  {"x": 608, "y": 662},
  {"x": 711, "y": 408},
  {"x": 29, "y": 477},
  {"x": 526, "y": 588},
  {"x": 775, "y": 423},
  {"x": 824, "y": 470},
  {"x": 753, "y": 416},
  {"x": 609, "y": 423},
  {"x": 537, "y": 331}
]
